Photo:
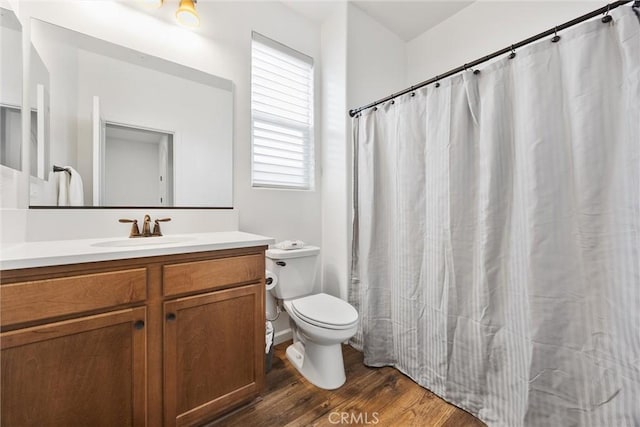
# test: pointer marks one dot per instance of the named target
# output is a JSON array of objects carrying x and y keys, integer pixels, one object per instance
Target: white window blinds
[{"x": 281, "y": 115}]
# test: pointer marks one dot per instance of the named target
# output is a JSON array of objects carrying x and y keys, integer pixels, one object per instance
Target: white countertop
[{"x": 61, "y": 252}]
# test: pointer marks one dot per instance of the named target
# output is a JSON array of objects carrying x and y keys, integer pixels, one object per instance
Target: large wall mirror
[{"x": 139, "y": 131}]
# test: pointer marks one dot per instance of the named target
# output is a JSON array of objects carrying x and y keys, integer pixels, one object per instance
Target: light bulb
[{"x": 187, "y": 15}]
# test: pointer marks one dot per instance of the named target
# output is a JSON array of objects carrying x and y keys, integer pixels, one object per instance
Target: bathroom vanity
[{"x": 171, "y": 333}]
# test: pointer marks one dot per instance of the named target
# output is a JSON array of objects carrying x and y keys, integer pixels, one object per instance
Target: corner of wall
[
  {"x": 334, "y": 153},
  {"x": 356, "y": 70}
]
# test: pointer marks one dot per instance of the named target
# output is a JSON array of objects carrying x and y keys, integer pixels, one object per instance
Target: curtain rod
[{"x": 510, "y": 49}]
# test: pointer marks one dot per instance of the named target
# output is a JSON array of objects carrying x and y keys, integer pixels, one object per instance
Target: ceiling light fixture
[{"x": 187, "y": 15}]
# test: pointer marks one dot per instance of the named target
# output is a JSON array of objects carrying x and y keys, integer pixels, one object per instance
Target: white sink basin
[{"x": 142, "y": 242}]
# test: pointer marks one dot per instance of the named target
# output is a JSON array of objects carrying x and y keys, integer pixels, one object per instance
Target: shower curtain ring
[
  {"x": 513, "y": 53},
  {"x": 607, "y": 18},
  {"x": 556, "y": 37},
  {"x": 467, "y": 68},
  {"x": 412, "y": 92},
  {"x": 437, "y": 81}
]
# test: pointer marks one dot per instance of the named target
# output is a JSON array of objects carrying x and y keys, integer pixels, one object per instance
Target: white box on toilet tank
[{"x": 296, "y": 270}]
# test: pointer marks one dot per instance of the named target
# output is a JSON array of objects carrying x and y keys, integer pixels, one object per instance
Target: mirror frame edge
[{"x": 24, "y": 180}]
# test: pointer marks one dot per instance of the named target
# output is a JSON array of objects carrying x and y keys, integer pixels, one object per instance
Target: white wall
[
  {"x": 13, "y": 226},
  {"x": 61, "y": 224},
  {"x": 363, "y": 61},
  {"x": 9, "y": 193},
  {"x": 482, "y": 28},
  {"x": 334, "y": 152},
  {"x": 376, "y": 60}
]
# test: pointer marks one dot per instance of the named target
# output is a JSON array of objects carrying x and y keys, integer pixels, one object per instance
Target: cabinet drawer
[
  {"x": 43, "y": 299},
  {"x": 217, "y": 273}
]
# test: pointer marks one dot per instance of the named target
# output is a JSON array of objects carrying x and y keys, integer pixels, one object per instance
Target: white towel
[
  {"x": 76, "y": 190},
  {"x": 290, "y": 244},
  {"x": 70, "y": 190},
  {"x": 63, "y": 188}
]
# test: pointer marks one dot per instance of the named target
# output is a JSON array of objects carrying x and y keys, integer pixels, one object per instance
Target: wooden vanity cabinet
[
  {"x": 213, "y": 336},
  {"x": 170, "y": 340},
  {"x": 73, "y": 347}
]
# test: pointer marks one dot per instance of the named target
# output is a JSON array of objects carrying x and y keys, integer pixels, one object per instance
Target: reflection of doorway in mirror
[
  {"x": 137, "y": 165},
  {"x": 11, "y": 137}
]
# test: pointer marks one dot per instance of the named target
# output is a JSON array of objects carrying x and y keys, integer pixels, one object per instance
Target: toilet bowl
[
  {"x": 320, "y": 322},
  {"x": 316, "y": 350}
]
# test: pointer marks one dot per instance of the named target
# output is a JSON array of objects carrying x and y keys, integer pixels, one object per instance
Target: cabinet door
[
  {"x": 89, "y": 371},
  {"x": 213, "y": 353}
]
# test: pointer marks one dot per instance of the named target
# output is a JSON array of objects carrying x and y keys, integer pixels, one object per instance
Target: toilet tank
[{"x": 295, "y": 269}]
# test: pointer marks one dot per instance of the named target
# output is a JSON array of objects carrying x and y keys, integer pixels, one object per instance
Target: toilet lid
[{"x": 325, "y": 310}]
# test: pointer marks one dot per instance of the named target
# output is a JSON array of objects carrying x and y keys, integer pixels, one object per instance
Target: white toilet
[{"x": 320, "y": 322}]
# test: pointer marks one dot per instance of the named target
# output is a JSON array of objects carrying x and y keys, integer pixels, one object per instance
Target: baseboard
[{"x": 282, "y": 336}]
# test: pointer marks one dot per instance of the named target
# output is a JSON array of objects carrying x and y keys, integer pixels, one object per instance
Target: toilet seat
[{"x": 325, "y": 311}]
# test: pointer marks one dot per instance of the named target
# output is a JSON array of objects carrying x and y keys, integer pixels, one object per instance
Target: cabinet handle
[
  {"x": 139, "y": 324},
  {"x": 171, "y": 317}
]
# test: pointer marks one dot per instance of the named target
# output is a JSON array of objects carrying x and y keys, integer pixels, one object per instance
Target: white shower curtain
[{"x": 496, "y": 256}]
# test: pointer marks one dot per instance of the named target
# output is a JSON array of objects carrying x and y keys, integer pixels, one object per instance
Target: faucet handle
[
  {"x": 156, "y": 226},
  {"x": 135, "y": 231}
]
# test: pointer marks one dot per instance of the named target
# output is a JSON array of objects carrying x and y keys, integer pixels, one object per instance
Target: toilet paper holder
[{"x": 270, "y": 280}]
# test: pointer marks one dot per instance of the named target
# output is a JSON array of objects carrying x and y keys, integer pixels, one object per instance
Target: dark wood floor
[{"x": 371, "y": 396}]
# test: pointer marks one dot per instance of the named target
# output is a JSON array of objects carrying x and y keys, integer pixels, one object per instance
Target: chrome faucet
[{"x": 146, "y": 227}]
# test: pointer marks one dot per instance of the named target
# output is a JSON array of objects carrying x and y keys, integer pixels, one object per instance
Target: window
[{"x": 281, "y": 116}]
